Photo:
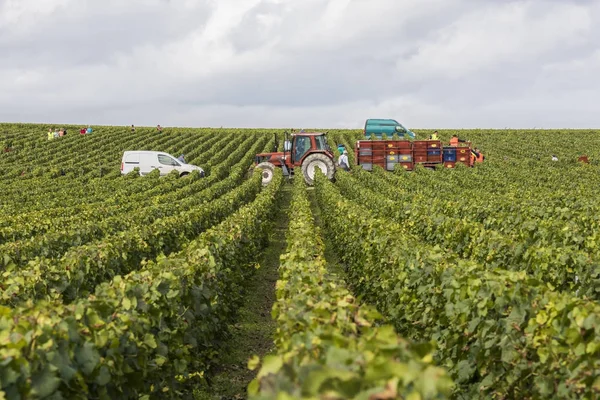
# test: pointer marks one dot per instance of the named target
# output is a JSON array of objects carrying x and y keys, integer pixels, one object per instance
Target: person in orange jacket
[
  {"x": 455, "y": 140},
  {"x": 477, "y": 156}
]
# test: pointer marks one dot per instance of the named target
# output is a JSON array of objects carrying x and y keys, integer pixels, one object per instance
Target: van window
[
  {"x": 388, "y": 122},
  {"x": 384, "y": 123},
  {"x": 166, "y": 160},
  {"x": 132, "y": 159}
]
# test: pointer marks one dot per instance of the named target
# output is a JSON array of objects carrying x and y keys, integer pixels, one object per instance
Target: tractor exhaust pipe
[{"x": 276, "y": 145}]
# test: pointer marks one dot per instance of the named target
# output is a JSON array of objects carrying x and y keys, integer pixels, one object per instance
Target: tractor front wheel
[
  {"x": 320, "y": 161},
  {"x": 267, "y": 170}
]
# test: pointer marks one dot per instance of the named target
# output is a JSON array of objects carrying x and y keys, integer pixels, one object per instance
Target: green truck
[{"x": 378, "y": 127}]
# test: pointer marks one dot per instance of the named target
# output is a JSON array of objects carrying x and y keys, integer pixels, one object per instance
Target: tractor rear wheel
[
  {"x": 267, "y": 170},
  {"x": 320, "y": 161}
]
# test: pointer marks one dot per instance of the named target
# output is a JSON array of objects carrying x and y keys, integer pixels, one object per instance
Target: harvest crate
[
  {"x": 463, "y": 155},
  {"x": 391, "y": 162},
  {"x": 427, "y": 144},
  {"x": 449, "y": 154},
  {"x": 420, "y": 156},
  {"x": 428, "y": 156}
]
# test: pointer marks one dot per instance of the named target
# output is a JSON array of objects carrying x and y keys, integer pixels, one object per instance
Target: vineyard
[{"x": 432, "y": 284}]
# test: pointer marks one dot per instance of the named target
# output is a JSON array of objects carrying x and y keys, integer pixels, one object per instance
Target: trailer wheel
[
  {"x": 267, "y": 170},
  {"x": 314, "y": 161}
]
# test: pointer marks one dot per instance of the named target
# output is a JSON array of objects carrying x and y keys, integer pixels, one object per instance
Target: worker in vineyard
[
  {"x": 159, "y": 128},
  {"x": 341, "y": 148},
  {"x": 132, "y": 128},
  {"x": 343, "y": 161},
  {"x": 583, "y": 159},
  {"x": 454, "y": 141},
  {"x": 554, "y": 158},
  {"x": 477, "y": 155},
  {"x": 480, "y": 156},
  {"x": 89, "y": 129},
  {"x": 181, "y": 159},
  {"x": 50, "y": 134},
  {"x": 434, "y": 136}
]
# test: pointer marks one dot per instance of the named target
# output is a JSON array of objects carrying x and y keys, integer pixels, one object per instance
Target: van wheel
[{"x": 184, "y": 174}]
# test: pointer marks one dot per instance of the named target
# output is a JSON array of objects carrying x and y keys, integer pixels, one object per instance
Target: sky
[{"x": 301, "y": 63}]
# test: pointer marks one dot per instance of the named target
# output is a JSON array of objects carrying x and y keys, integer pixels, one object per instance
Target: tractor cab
[
  {"x": 305, "y": 150},
  {"x": 301, "y": 145}
]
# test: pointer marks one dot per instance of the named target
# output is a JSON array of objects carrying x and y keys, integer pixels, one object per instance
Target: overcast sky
[{"x": 301, "y": 63}]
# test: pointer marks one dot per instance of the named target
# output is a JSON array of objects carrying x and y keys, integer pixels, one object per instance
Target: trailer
[{"x": 428, "y": 153}]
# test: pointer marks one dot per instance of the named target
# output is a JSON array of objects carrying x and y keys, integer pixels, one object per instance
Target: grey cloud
[
  {"x": 247, "y": 34},
  {"x": 106, "y": 66},
  {"x": 90, "y": 34}
]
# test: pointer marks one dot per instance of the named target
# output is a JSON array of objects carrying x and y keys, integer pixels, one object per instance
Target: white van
[{"x": 147, "y": 161}]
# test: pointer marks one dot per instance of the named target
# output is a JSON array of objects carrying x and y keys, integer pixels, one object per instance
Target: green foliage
[
  {"x": 138, "y": 332},
  {"x": 138, "y": 322},
  {"x": 329, "y": 345},
  {"x": 123, "y": 286},
  {"x": 80, "y": 269},
  {"x": 500, "y": 333},
  {"x": 553, "y": 250}
]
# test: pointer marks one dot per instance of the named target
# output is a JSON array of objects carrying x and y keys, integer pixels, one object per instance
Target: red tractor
[{"x": 307, "y": 151}]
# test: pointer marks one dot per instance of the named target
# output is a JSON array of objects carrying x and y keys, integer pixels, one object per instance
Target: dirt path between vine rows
[{"x": 254, "y": 330}]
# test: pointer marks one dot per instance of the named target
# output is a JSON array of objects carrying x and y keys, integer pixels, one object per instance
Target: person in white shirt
[
  {"x": 343, "y": 161},
  {"x": 554, "y": 158}
]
